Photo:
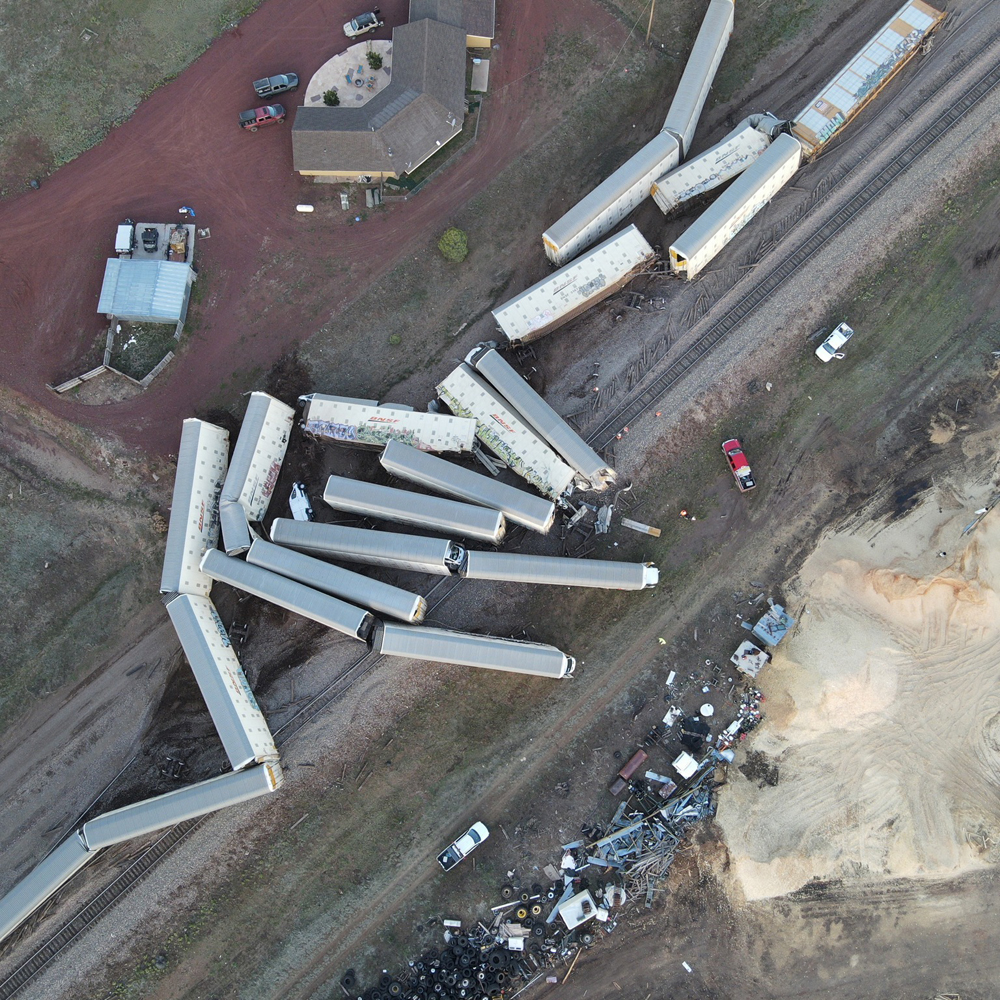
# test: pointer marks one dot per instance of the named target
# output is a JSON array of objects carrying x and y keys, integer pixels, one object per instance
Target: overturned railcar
[
  {"x": 444, "y": 477},
  {"x": 438, "y": 645},
  {"x": 434, "y": 513},
  {"x": 380, "y": 597},
  {"x": 514, "y": 567},
  {"x": 438, "y": 556}
]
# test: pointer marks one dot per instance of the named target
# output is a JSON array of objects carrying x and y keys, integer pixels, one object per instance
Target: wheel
[
  {"x": 536, "y": 909},
  {"x": 538, "y": 930},
  {"x": 395, "y": 989},
  {"x": 521, "y": 912},
  {"x": 253, "y": 128},
  {"x": 506, "y": 892},
  {"x": 525, "y": 896}
]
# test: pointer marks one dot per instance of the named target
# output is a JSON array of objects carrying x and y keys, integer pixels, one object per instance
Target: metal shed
[
  {"x": 231, "y": 703},
  {"x": 186, "y": 803},
  {"x": 575, "y": 288},
  {"x": 202, "y": 460},
  {"x": 437, "y": 556},
  {"x": 146, "y": 291},
  {"x": 544, "y": 420},
  {"x": 444, "y": 477},
  {"x": 344, "y": 583},
  {"x": 504, "y": 433},
  {"x": 287, "y": 594}
]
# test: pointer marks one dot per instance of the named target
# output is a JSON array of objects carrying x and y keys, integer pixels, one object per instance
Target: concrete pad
[
  {"x": 353, "y": 64},
  {"x": 480, "y": 76}
]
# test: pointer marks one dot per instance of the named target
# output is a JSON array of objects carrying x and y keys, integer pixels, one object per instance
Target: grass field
[{"x": 72, "y": 72}]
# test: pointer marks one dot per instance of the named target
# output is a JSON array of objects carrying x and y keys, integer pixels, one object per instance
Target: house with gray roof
[{"x": 476, "y": 17}]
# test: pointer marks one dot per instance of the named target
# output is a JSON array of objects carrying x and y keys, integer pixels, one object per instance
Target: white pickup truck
[{"x": 463, "y": 847}]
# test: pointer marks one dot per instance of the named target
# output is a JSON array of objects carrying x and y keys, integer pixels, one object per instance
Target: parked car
[
  {"x": 300, "y": 504},
  {"x": 268, "y": 115},
  {"x": 150, "y": 239},
  {"x": 125, "y": 239},
  {"x": 463, "y": 847},
  {"x": 739, "y": 465},
  {"x": 830, "y": 348},
  {"x": 364, "y": 23},
  {"x": 279, "y": 84}
]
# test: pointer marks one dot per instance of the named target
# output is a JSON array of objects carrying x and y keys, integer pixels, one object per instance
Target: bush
[
  {"x": 395, "y": 339},
  {"x": 454, "y": 245},
  {"x": 374, "y": 60},
  {"x": 331, "y": 98}
]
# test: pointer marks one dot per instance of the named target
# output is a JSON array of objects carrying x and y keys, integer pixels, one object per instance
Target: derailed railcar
[
  {"x": 288, "y": 594},
  {"x": 205, "y": 797},
  {"x": 254, "y": 469},
  {"x": 505, "y": 433},
  {"x": 438, "y": 556},
  {"x": 544, "y": 420},
  {"x": 238, "y": 719},
  {"x": 365, "y": 425},
  {"x": 41, "y": 882},
  {"x": 435, "y": 513},
  {"x": 557, "y": 571},
  {"x": 444, "y": 477},
  {"x": 724, "y": 161},
  {"x": 354, "y": 587},
  {"x": 202, "y": 461},
  {"x": 575, "y": 288},
  {"x": 438, "y": 645},
  {"x": 708, "y": 235},
  {"x": 598, "y": 212},
  {"x": 699, "y": 73}
]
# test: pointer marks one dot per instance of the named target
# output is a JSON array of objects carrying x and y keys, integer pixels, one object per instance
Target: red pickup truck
[
  {"x": 738, "y": 464},
  {"x": 267, "y": 115}
]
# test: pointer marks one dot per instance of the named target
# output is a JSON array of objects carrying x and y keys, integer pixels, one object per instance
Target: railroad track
[
  {"x": 604, "y": 435},
  {"x": 171, "y": 838}
]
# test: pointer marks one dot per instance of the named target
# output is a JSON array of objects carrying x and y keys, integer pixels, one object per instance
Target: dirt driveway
[{"x": 270, "y": 275}]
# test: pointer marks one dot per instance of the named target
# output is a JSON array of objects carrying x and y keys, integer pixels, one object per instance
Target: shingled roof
[
  {"x": 421, "y": 109},
  {"x": 475, "y": 17}
]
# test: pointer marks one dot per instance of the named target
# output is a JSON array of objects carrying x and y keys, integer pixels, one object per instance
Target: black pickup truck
[{"x": 279, "y": 84}]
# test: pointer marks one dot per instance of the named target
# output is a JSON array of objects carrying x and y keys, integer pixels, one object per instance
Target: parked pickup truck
[
  {"x": 738, "y": 464},
  {"x": 272, "y": 85},
  {"x": 267, "y": 115},
  {"x": 463, "y": 847}
]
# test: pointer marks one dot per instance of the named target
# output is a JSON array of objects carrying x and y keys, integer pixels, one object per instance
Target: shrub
[
  {"x": 395, "y": 339},
  {"x": 331, "y": 98},
  {"x": 374, "y": 60},
  {"x": 454, "y": 245}
]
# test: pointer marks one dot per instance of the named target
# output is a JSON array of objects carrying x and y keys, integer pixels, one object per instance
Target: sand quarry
[{"x": 883, "y": 710}]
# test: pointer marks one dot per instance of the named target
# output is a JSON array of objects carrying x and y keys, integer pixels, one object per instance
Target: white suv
[
  {"x": 299, "y": 503},
  {"x": 364, "y": 23},
  {"x": 831, "y": 346}
]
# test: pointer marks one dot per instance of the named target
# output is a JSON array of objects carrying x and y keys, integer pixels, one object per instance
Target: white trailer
[
  {"x": 611, "y": 201},
  {"x": 735, "y": 207},
  {"x": 202, "y": 460},
  {"x": 434, "y": 513},
  {"x": 288, "y": 594},
  {"x": 238, "y": 719},
  {"x": 253, "y": 472},
  {"x": 438, "y": 645},
  {"x": 443, "y": 477},
  {"x": 437, "y": 556},
  {"x": 724, "y": 161},
  {"x": 41, "y": 882},
  {"x": 363, "y": 424},
  {"x": 699, "y": 73},
  {"x": 176, "y": 807},
  {"x": 556, "y": 571},
  {"x": 865, "y": 75},
  {"x": 575, "y": 288},
  {"x": 379, "y": 597},
  {"x": 505, "y": 434},
  {"x": 596, "y": 472}
]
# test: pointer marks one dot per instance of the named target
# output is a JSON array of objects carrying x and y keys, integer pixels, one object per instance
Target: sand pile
[{"x": 883, "y": 713}]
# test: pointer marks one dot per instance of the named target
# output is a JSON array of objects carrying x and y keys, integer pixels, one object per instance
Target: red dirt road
[{"x": 183, "y": 147}]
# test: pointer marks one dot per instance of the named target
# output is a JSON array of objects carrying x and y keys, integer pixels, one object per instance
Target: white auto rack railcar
[
  {"x": 596, "y": 472},
  {"x": 556, "y": 571},
  {"x": 435, "y": 513},
  {"x": 438, "y": 645},
  {"x": 444, "y": 477},
  {"x": 381, "y": 598},
  {"x": 202, "y": 461},
  {"x": 437, "y": 556},
  {"x": 502, "y": 430},
  {"x": 575, "y": 288}
]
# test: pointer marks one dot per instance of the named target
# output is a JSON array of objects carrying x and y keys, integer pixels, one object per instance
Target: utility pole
[{"x": 649, "y": 27}]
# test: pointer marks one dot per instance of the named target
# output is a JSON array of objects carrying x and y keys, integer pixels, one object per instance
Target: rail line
[
  {"x": 604, "y": 434},
  {"x": 167, "y": 840}
]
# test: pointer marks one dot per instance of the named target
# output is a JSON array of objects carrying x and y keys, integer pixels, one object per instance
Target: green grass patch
[{"x": 140, "y": 347}]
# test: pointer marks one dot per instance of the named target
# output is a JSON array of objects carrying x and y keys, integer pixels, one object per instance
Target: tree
[
  {"x": 454, "y": 245},
  {"x": 374, "y": 59},
  {"x": 331, "y": 98}
]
